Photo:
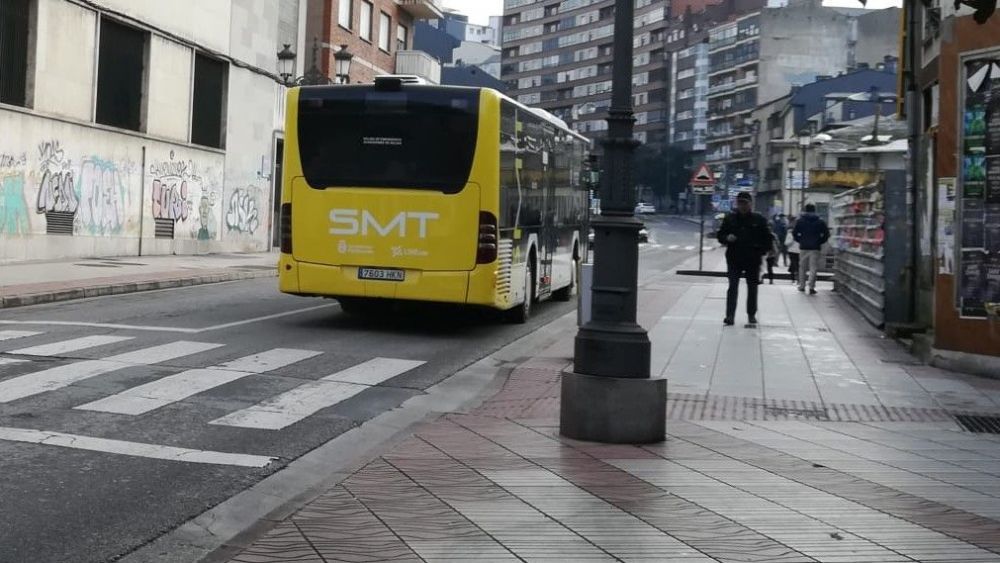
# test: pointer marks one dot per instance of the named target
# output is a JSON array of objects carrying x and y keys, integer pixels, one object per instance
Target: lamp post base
[{"x": 613, "y": 410}]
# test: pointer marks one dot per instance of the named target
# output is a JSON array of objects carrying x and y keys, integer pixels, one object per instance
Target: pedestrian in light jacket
[
  {"x": 811, "y": 233},
  {"x": 747, "y": 239}
]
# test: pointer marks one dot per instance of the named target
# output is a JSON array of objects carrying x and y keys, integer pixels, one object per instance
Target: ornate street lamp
[
  {"x": 609, "y": 395},
  {"x": 342, "y": 60},
  {"x": 286, "y": 68}
]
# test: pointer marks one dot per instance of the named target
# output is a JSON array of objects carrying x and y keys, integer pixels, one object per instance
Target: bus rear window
[{"x": 421, "y": 138}]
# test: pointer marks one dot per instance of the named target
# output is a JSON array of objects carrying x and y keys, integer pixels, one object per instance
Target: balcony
[
  {"x": 732, "y": 85},
  {"x": 421, "y": 9},
  {"x": 729, "y": 131},
  {"x": 418, "y": 63},
  {"x": 828, "y": 177}
]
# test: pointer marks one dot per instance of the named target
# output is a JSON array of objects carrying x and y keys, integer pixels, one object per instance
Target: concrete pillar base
[{"x": 613, "y": 410}]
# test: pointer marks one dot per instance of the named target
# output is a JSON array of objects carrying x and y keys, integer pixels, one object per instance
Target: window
[
  {"x": 401, "y": 34},
  {"x": 14, "y": 51},
  {"x": 365, "y": 28},
  {"x": 848, "y": 163},
  {"x": 384, "y": 25},
  {"x": 419, "y": 139},
  {"x": 120, "y": 71},
  {"x": 344, "y": 13},
  {"x": 209, "y": 103}
]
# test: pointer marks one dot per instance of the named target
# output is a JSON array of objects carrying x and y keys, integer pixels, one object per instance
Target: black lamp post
[
  {"x": 609, "y": 396},
  {"x": 805, "y": 137}
]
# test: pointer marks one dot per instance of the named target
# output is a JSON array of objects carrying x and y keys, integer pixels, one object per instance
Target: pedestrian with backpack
[{"x": 811, "y": 233}]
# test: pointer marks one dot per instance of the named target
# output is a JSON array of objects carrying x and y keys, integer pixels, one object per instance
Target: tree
[{"x": 664, "y": 168}]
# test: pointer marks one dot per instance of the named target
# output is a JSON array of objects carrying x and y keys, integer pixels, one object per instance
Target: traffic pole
[{"x": 701, "y": 233}]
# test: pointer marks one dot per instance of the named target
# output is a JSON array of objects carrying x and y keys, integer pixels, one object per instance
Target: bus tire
[
  {"x": 521, "y": 313},
  {"x": 567, "y": 293}
]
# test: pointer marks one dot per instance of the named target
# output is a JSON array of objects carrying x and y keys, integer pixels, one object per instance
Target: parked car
[{"x": 644, "y": 208}]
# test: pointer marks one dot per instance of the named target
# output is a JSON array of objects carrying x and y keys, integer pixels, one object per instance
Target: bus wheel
[
  {"x": 567, "y": 293},
  {"x": 355, "y": 306},
  {"x": 521, "y": 313}
]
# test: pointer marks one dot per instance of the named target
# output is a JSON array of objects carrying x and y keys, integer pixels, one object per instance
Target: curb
[{"x": 128, "y": 287}]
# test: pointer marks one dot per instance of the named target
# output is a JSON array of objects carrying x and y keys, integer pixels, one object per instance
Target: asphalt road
[{"x": 169, "y": 401}]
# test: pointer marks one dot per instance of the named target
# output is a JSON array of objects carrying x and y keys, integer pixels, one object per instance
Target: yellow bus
[{"x": 405, "y": 191}]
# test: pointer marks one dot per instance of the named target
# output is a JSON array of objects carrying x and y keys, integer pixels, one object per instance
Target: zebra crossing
[{"x": 270, "y": 414}]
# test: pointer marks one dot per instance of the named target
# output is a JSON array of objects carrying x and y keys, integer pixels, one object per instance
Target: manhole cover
[{"x": 982, "y": 424}]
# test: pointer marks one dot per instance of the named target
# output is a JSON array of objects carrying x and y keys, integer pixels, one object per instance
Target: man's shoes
[
  {"x": 772, "y": 281},
  {"x": 812, "y": 291},
  {"x": 802, "y": 289},
  {"x": 728, "y": 321},
  {"x": 752, "y": 320}
]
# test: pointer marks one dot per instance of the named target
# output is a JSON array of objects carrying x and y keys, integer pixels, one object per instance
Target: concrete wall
[
  {"x": 203, "y": 22},
  {"x": 798, "y": 43},
  {"x": 877, "y": 36},
  {"x": 114, "y": 183}
]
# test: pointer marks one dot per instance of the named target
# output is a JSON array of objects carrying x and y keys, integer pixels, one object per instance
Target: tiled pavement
[{"x": 808, "y": 439}]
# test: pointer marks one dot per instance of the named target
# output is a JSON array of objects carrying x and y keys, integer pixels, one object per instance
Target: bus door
[{"x": 548, "y": 234}]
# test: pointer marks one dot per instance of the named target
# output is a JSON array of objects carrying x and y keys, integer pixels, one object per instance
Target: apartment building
[
  {"x": 379, "y": 33},
  {"x": 557, "y": 56},
  {"x": 757, "y": 57}
]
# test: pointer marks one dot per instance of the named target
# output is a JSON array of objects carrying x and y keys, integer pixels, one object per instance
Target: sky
[{"x": 479, "y": 11}]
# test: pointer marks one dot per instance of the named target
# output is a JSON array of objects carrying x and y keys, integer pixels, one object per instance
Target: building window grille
[
  {"x": 14, "y": 22},
  {"x": 120, "y": 71},
  {"x": 209, "y": 103}
]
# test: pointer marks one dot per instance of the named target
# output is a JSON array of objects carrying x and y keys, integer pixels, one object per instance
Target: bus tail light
[
  {"x": 487, "y": 250},
  {"x": 286, "y": 228}
]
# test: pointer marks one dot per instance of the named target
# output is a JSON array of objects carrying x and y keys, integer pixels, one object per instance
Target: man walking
[
  {"x": 747, "y": 238},
  {"x": 811, "y": 233}
]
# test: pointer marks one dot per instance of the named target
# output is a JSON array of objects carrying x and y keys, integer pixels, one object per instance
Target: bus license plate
[{"x": 384, "y": 274}]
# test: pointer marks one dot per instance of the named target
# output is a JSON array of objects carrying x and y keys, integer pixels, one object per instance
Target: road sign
[
  {"x": 703, "y": 176},
  {"x": 702, "y": 190}
]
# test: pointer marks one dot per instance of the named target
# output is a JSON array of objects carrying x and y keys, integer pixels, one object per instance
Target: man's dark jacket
[
  {"x": 753, "y": 237},
  {"x": 810, "y": 232}
]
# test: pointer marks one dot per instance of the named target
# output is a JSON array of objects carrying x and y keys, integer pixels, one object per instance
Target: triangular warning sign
[{"x": 703, "y": 177}]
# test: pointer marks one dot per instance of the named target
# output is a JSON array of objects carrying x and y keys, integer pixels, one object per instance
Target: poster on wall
[
  {"x": 976, "y": 213},
  {"x": 946, "y": 226},
  {"x": 972, "y": 282}
]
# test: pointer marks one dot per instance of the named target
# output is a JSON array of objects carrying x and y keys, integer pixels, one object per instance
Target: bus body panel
[
  {"x": 389, "y": 228},
  {"x": 342, "y": 281}
]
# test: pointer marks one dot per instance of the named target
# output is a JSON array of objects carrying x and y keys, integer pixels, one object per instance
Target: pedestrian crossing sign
[{"x": 702, "y": 181}]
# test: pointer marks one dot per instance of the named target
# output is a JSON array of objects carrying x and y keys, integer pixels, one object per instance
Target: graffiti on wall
[
  {"x": 242, "y": 213},
  {"x": 171, "y": 197},
  {"x": 56, "y": 190},
  {"x": 102, "y": 197},
  {"x": 13, "y": 206}
]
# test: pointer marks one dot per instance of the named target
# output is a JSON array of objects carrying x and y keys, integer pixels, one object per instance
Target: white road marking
[
  {"x": 62, "y": 376},
  {"x": 673, "y": 247},
  {"x": 170, "y": 328},
  {"x": 135, "y": 449},
  {"x": 72, "y": 345},
  {"x": 173, "y": 388},
  {"x": 307, "y": 399},
  {"x": 691, "y": 247},
  {"x": 12, "y": 334},
  {"x": 7, "y": 361},
  {"x": 707, "y": 248}
]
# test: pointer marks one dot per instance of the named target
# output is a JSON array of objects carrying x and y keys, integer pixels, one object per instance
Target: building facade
[
  {"x": 379, "y": 33},
  {"x": 134, "y": 128},
  {"x": 756, "y": 58},
  {"x": 557, "y": 56}
]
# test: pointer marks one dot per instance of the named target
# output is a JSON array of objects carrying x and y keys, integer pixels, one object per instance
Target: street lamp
[
  {"x": 286, "y": 68},
  {"x": 805, "y": 137},
  {"x": 790, "y": 164},
  {"x": 609, "y": 395},
  {"x": 342, "y": 60}
]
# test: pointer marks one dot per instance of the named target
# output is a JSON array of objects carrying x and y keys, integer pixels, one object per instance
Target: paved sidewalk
[
  {"x": 811, "y": 438},
  {"x": 20, "y": 283}
]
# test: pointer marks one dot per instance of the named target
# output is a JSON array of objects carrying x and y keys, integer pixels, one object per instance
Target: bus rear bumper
[{"x": 303, "y": 278}]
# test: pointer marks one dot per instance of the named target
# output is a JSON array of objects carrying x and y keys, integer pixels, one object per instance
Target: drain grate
[{"x": 982, "y": 424}]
